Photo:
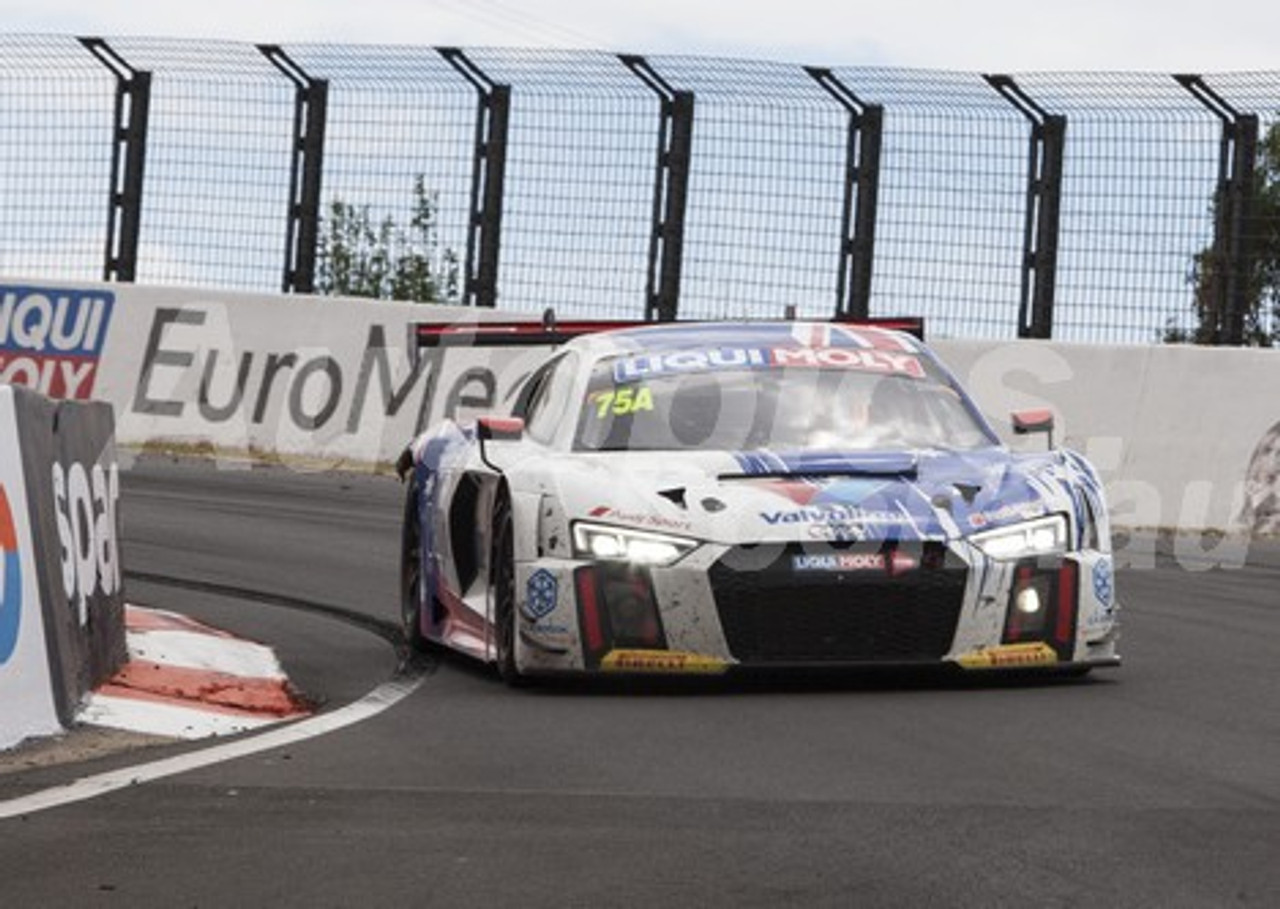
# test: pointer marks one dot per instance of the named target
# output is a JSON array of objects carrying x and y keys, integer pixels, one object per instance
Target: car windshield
[{"x": 833, "y": 399}]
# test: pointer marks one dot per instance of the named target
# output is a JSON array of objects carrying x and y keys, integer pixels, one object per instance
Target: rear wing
[
  {"x": 505, "y": 334},
  {"x": 551, "y": 333}
]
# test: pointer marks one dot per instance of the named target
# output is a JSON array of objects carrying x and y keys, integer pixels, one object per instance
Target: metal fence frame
[{"x": 876, "y": 109}]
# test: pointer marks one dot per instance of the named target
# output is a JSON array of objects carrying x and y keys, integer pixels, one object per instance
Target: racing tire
[
  {"x": 411, "y": 572},
  {"x": 502, "y": 578}
]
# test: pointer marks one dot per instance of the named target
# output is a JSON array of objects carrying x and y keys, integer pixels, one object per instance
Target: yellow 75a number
[{"x": 622, "y": 401}]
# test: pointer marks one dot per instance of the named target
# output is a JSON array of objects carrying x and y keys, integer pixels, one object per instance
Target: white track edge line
[{"x": 386, "y": 695}]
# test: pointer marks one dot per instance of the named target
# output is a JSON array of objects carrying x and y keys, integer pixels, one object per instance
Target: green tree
[
  {"x": 361, "y": 257},
  {"x": 1261, "y": 234}
]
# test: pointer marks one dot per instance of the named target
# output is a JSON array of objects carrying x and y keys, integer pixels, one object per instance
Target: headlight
[
  {"x": 613, "y": 544},
  {"x": 1043, "y": 536}
]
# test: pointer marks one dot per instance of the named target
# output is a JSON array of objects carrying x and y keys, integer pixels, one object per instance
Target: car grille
[{"x": 775, "y": 614}]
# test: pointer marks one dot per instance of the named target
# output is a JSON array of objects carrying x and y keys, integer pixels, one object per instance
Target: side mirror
[
  {"x": 1026, "y": 422},
  {"x": 497, "y": 429},
  {"x": 500, "y": 429}
]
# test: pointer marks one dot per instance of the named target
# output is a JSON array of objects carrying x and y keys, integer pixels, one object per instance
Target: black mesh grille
[{"x": 776, "y": 614}]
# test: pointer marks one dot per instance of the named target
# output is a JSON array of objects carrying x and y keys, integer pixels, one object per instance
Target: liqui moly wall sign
[{"x": 51, "y": 338}]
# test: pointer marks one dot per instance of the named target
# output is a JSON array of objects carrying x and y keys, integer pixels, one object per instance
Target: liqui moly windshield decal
[
  {"x": 675, "y": 336},
  {"x": 889, "y": 362},
  {"x": 52, "y": 338}
]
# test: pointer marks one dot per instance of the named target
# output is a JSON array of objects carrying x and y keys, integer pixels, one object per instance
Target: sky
[{"x": 973, "y": 35}]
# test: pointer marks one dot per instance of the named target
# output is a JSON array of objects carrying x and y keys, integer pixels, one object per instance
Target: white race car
[{"x": 699, "y": 497}]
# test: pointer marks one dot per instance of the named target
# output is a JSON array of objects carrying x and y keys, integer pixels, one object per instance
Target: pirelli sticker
[
  {"x": 673, "y": 661},
  {"x": 1009, "y": 656}
]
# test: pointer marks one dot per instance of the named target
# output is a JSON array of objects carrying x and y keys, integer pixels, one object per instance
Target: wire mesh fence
[
  {"x": 56, "y": 106},
  {"x": 949, "y": 240},
  {"x": 216, "y": 193},
  {"x": 763, "y": 224},
  {"x": 1259, "y": 93},
  {"x": 398, "y": 118},
  {"x": 579, "y": 182},
  {"x": 1112, "y": 207},
  {"x": 1136, "y": 208}
]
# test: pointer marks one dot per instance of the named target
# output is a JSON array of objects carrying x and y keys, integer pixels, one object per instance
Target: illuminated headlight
[
  {"x": 612, "y": 544},
  {"x": 1028, "y": 601},
  {"x": 1041, "y": 537}
]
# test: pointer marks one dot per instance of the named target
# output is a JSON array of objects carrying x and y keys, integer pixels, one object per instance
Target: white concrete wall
[{"x": 1173, "y": 429}]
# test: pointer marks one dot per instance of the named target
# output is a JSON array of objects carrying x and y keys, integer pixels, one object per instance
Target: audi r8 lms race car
[{"x": 689, "y": 497}]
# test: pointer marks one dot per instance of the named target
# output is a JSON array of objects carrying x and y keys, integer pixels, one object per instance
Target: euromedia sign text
[{"x": 364, "y": 394}]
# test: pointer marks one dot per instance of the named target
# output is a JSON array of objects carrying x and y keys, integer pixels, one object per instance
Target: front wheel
[
  {"x": 411, "y": 572},
  {"x": 503, "y": 589}
]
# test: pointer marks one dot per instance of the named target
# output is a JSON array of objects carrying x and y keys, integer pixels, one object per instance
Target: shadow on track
[{"x": 754, "y": 682}]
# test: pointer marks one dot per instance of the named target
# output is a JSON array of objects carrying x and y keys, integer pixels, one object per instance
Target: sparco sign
[
  {"x": 85, "y": 502},
  {"x": 70, "y": 488}
]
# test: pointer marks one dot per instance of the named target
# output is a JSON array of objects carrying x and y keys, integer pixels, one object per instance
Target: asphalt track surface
[{"x": 1154, "y": 785}]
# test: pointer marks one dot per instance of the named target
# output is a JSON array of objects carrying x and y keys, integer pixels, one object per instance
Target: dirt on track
[{"x": 83, "y": 743}]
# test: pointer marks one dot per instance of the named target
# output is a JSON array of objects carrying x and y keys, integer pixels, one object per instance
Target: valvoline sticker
[
  {"x": 51, "y": 338},
  {"x": 10, "y": 581}
]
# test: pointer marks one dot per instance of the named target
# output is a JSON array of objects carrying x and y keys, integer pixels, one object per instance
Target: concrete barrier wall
[
  {"x": 326, "y": 379},
  {"x": 62, "y": 613},
  {"x": 73, "y": 485},
  {"x": 1185, "y": 437},
  {"x": 26, "y": 690},
  {"x": 1174, "y": 430}
]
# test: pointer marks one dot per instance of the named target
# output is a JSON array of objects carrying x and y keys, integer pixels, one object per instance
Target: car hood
[{"x": 750, "y": 497}]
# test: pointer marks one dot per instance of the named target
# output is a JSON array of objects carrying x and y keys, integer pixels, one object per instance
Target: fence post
[
  {"x": 302, "y": 226},
  {"x": 861, "y": 196},
  {"x": 1233, "y": 202},
  {"x": 670, "y": 191},
  {"x": 488, "y": 174},
  {"x": 1044, "y": 204},
  {"x": 128, "y": 160}
]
